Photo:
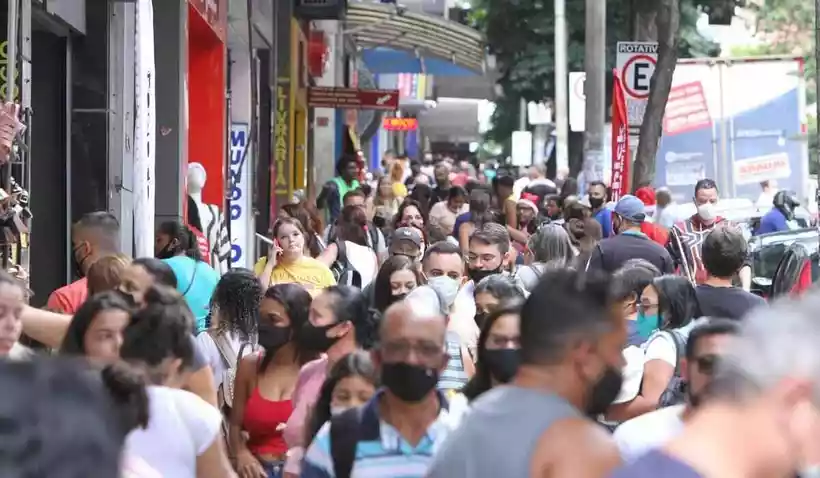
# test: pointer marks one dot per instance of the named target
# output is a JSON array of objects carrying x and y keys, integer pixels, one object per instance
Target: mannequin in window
[{"x": 211, "y": 220}]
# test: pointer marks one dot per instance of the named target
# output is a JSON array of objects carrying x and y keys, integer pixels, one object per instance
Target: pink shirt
[{"x": 305, "y": 393}]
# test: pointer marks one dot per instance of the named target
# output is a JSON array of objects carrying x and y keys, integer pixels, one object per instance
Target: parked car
[{"x": 768, "y": 250}]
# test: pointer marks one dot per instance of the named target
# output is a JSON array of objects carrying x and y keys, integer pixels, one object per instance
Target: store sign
[
  {"x": 385, "y": 100},
  {"x": 240, "y": 194},
  {"x": 400, "y": 124},
  {"x": 4, "y": 82},
  {"x": 281, "y": 135}
]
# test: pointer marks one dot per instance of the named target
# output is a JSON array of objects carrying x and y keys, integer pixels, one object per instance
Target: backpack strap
[
  {"x": 193, "y": 276},
  {"x": 680, "y": 349},
  {"x": 341, "y": 251},
  {"x": 224, "y": 347},
  {"x": 344, "y": 436}
]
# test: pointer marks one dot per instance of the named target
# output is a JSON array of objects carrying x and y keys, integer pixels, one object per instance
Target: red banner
[
  {"x": 621, "y": 158},
  {"x": 202, "y": 243}
]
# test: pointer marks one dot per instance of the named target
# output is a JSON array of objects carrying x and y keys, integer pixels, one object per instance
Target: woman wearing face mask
[
  {"x": 550, "y": 245},
  {"x": 96, "y": 329},
  {"x": 264, "y": 383},
  {"x": 349, "y": 384},
  {"x": 158, "y": 340},
  {"x": 338, "y": 324},
  {"x": 176, "y": 245},
  {"x": 288, "y": 263},
  {"x": 670, "y": 305},
  {"x": 493, "y": 293},
  {"x": 397, "y": 277},
  {"x": 497, "y": 361},
  {"x": 628, "y": 283}
]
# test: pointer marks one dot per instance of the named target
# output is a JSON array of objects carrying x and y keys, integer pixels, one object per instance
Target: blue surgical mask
[{"x": 647, "y": 324}]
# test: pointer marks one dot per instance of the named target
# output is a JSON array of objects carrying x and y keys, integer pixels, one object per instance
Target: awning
[{"x": 397, "y": 41}]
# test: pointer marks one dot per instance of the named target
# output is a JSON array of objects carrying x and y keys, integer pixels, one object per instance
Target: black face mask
[
  {"x": 604, "y": 392},
  {"x": 316, "y": 339},
  {"x": 167, "y": 252},
  {"x": 410, "y": 383},
  {"x": 480, "y": 317},
  {"x": 477, "y": 274},
  {"x": 272, "y": 338},
  {"x": 502, "y": 363},
  {"x": 596, "y": 202},
  {"x": 78, "y": 263},
  {"x": 397, "y": 297}
]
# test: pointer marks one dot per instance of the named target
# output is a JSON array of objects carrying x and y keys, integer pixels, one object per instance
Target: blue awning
[
  {"x": 387, "y": 60},
  {"x": 392, "y": 40}
]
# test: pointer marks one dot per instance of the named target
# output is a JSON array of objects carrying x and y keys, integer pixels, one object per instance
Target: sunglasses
[{"x": 707, "y": 364}]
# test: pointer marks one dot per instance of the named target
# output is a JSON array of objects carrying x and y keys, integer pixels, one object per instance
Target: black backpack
[
  {"x": 675, "y": 392},
  {"x": 344, "y": 436},
  {"x": 343, "y": 271}
]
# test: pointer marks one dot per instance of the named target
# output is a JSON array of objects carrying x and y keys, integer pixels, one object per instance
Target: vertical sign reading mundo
[{"x": 240, "y": 194}]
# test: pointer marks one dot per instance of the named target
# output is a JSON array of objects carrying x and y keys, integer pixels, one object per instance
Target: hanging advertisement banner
[
  {"x": 145, "y": 126},
  {"x": 240, "y": 195},
  {"x": 620, "y": 142}
]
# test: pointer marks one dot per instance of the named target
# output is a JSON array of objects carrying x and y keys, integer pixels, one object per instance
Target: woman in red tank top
[{"x": 264, "y": 383}]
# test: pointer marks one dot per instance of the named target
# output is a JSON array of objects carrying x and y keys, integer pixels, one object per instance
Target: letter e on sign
[{"x": 636, "y": 75}]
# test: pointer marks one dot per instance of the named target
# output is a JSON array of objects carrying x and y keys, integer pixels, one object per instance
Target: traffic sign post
[
  {"x": 577, "y": 102},
  {"x": 635, "y": 65}
]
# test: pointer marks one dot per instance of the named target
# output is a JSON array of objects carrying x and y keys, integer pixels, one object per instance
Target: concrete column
[
  {"x": 170, "y": 32},
  {"x": 324, "y": 128}
]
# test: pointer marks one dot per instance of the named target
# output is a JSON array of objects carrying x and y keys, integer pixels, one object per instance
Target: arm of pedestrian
[
  {"x": 745, "y": 275},
  {"x": 46, "y": 327},
  {"x": 656, "y": 376},
  {"x": 575, "y": 448},
  {"x": 201, "y": 383},
  {"x": 467, "y": 361},
  {"x": 329, "y": 255}
]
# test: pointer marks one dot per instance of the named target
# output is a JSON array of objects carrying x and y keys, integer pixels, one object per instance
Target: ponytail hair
[
  {"x": 126, "y": 387},
  {"x": 184, "y": 236}
]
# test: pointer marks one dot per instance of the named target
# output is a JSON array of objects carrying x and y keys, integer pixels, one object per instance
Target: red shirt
[{"x": 69, "y": 298}]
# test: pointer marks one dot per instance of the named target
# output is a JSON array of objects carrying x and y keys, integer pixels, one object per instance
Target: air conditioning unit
[{"x": 320, "y": 9}]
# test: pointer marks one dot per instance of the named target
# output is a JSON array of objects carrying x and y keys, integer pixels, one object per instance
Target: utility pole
[
  {"x": 522, "y": 114},
  {"x": 594, "y": 89},
  {"x": 561, "y": 87}
]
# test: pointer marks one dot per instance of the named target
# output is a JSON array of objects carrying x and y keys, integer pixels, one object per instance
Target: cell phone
[{"x": 278, "y": 247}]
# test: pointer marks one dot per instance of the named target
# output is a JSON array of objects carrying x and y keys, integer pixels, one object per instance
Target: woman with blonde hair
[{"x": 397, "y": 176}]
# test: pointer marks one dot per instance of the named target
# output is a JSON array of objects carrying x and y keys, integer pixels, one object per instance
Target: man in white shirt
[{"x": 706, "y": 343}]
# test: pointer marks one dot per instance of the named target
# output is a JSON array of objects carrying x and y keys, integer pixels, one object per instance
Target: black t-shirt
[
  {"x": 613, "y": 252},
  {"x": 726, "y": 302}
]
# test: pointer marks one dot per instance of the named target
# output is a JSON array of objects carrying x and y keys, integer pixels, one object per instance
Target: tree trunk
[
  {"x": 668, "y": 21},
  {"x": 644, "y": 26}
]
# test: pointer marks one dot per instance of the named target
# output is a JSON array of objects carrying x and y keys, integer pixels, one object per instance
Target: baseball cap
[
  {"x": 631, "y": 208},
  {"x": 408, "y": 234}
]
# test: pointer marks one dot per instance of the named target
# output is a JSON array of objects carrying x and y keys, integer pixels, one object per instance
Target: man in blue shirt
[
  {"x": 778, "y": 217},
  {"x": 597, "y": 199}
]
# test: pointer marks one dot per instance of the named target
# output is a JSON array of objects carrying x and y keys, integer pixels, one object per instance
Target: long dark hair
[
  {"x": 158, "y": 270},
  {"x": 349, "y": 304},
  {"x": 236, "y": 298},
  {"x": 352, "y": 225},
  {"x": 677, "y": 301},
  {"x": 74, "y": 340},
  {"x": 397, "y": 223},
  {"x": 185, "y": 237},
  {"x": 423, "y": 195},
  {"x": 296, "y": 302},
  {"x": 382, "y": 293},
  {"x": 356, "y": 364},
  {"x": 482, "y": 381},
  {"x": 480, "y": 203}
]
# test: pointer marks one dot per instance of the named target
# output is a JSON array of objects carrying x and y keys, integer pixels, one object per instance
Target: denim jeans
[{"x": 274, "y": 469}]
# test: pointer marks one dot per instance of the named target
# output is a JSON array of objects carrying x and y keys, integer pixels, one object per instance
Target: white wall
[{"x": 324, "y": 137}]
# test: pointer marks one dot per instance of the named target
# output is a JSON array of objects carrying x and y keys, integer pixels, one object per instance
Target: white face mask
[
  {"x": 707, "y": 212},
  {"x": 447, "y": 289}
]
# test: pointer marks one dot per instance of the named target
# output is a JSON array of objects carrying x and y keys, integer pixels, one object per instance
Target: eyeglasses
[
  {"x": 645, "y": 307},
  {"x": 707, "y": 364}
]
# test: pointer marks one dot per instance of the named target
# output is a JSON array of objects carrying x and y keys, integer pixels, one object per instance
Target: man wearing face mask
[
  {"x": 597, "y": 200},
  {"x": 571, "y": 337},
  {"x": 407, "y": 419},
  {"x": 630, "y": 242},
  {"x": 444, "y": 259},
  {"x": 686, "y": 237},
  {"x": 95, "y": 235},
  {"x": 761, "y": 416},
  {"x": 704, "y": 347}
]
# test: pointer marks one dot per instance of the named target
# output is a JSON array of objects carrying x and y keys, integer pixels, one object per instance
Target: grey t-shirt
[{"x": 499, "y": 434}]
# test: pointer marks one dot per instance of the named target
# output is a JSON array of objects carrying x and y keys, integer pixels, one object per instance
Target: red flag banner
[{"x": 621, "y": 158}]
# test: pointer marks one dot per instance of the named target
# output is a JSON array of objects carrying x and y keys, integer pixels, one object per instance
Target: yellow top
[
  {"x": 308, "y": 272},
  {"x": 399, "y": 190}
]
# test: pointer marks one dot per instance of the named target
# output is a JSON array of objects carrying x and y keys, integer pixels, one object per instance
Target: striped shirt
[
  {"x": 454, "y": 376},
  {"x": 381, "y": 451}
]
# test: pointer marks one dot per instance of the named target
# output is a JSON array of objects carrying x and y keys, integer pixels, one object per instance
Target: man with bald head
[{"x": 406, "y": 414}]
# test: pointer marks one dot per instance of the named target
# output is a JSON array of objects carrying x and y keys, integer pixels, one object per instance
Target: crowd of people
[{"x": 420, "y": 324}]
